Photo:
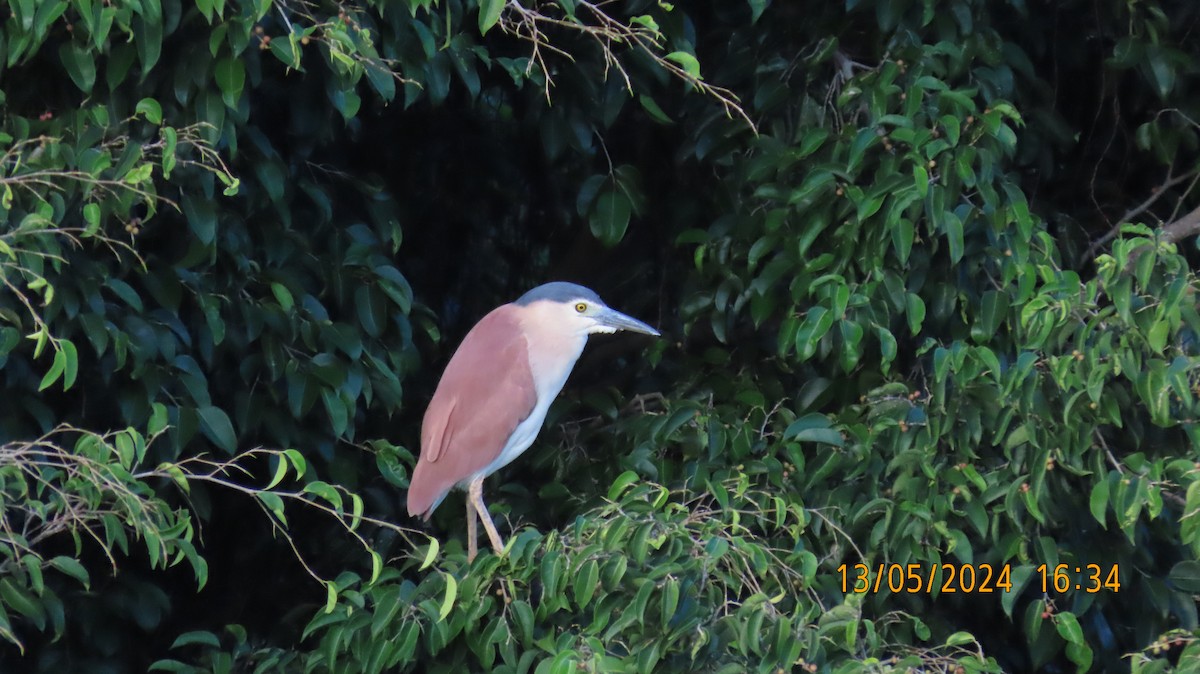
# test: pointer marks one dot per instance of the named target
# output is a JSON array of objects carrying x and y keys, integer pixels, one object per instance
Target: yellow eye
[{"x": 581, "y": 307}]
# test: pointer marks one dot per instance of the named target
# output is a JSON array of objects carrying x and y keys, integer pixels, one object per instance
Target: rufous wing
[{"x": 486, "y": 390}]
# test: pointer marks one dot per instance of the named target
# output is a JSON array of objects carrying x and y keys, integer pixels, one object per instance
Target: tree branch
[
  {"x": 1182, "y": 228},
  {"x": 1134, "y": 212}
]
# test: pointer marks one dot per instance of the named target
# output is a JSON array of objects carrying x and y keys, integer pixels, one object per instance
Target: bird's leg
[
  {"x": 472, "y": 536},
  {"x": 475, "y": 492}
]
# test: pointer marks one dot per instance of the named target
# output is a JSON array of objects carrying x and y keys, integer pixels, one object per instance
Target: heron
[{"x": 493, "y": 397}]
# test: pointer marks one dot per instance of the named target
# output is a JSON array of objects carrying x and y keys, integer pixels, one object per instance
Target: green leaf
[
  {"x": 147, "y": 36},
  {"x": 994, "y": 311},
  {"x": 954, "y": 236},
  {"x": 430, "y": 554},
  {"x": 376, "y": 566},
  {"x": 217, "y": 427},
  {"x": 652, "y": 108},
  {"x": 1162, "y": 71},
  {"x": 281, "y": 465},
  {"x": 887, "y": 344},
  {"x": 816, "y": 323},
  {"x": 1185, "y": 576},
  {"x": 814, "y": 428},
  {"x": 396, "y": 287},
  {"x": 1156, "y": 337},
  {"x": 170, "y": 142},
  {"x": 1020, "y": 578},
  {"x": 620, "y": 484},
  {"x": 91, "y": 215},
  {"x": 448, "y": 598},
  {"x": 325, "y": 491},
  {"x": 283, "y": 296},
  {"x": 298, "y": 462},
  {"x": 19, "y": 599},
  {"x": 756, "y": 9},
  {"x": 230, "y": 74},
  {"x": 151, "y": 110},
  {"x": 1081, "y": 654},
  {"x": 139, "y": 174},
  {"x": 915, "y": 312},
  {"x": 331, "y": 594},
  {"x": 158, "y": 419},
  {"x": 1098, "y": 503},
  {"x": 489, "y": 14},
  {"x": 126, "y": 293},
  {"x": 610, "y": 216},
  {"x": 1189, "y": 522},
  {"x": 71, "y": 369},
  {"x": 274, "y": 504},
  {"x": 921, "y": 180},
  {"x": 356, "y": 511},
  {"x": 585, "y": 582},
  {"x": 196, "y": 638},
  {"x": 80, "y": 65},
  {"x": 288, "y": 51},
  {"x": 72, "y": 568},
  {"x": 1068, "y": 627},
  {"x": 55, "y": 371},
  {"x": 686, "y": 61},
  {"x": 125, "y": 450},
  {"x": 381, "y": 78},
  {"x": 959, "y": 639}
]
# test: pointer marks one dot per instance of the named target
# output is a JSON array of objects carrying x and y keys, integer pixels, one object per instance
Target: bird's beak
[{"x": 615, "y": 320}]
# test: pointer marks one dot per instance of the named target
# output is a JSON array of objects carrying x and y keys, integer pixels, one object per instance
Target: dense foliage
[{"x": 923, "y": 268}]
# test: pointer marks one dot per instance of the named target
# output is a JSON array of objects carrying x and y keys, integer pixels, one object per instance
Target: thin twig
[{"x": 1155, "y": 195}]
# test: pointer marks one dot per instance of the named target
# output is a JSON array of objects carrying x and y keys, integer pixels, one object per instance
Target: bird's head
[{"x": 572, "y": 307}]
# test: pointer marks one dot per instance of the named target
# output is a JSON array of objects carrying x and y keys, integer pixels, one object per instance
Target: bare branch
[
  {"x": 1155, "y": 195},
  {"x": 530, "y": 23}
]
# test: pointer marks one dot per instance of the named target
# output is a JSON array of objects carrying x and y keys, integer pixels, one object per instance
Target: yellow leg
[
  {"x": 472, "y": 543},
  {"x": 475, "y": 495}
]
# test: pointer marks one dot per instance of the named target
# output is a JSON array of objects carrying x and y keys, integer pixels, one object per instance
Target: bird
[{"x": 494, "y": 394}]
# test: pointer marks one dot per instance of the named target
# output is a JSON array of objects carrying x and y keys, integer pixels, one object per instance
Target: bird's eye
[{"x": 581, "y": 307}]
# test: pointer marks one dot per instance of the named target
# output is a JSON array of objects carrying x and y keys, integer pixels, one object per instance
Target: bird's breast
[{"x": 552, "y": 355}]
